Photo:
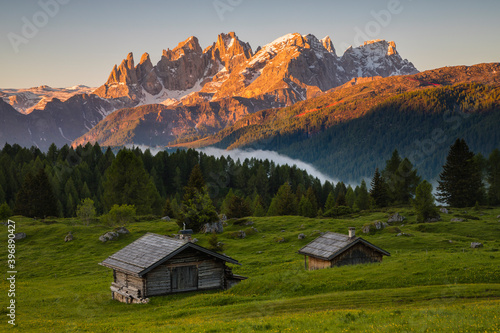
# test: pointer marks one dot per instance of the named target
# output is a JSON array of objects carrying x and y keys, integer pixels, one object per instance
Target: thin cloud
[{"x": 269, "y": 155}]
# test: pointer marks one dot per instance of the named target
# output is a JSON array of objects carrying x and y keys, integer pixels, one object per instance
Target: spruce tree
[
  {"x": 460, "y": 181},
  {"x": 424, "y": 202},
  {"x": 127, "y": 183},
  {"x": 284, "y": 202},
  {"x": 378, "y": 190},
  {"x": 493, "y": 177},
  {"x": 36, "y": 197},
  {"x": 306, "y": 208},
  {"x": 197, "y": 207},
  {"x": 238, "y": 207},
  {"x": 363, "y": 198}
]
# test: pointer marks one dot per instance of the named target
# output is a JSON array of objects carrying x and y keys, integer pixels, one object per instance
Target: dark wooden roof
[
  {"x": 331, "y": 244},
  {"x": 151, "y": 250}
]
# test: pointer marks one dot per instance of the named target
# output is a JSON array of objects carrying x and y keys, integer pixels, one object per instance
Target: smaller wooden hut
[
  {"x": 158, "y": 265},
  {"x": 333, "y": 249}
]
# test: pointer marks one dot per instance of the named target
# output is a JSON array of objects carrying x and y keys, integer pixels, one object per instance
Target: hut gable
[
  {"x": 158, "y": 265},
  {"x": 333, "y": 249}
]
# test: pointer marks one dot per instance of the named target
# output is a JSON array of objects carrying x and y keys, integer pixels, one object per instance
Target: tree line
[{"x": 195, "y": 188}]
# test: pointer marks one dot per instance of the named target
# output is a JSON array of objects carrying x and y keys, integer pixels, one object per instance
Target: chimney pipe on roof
[{"x": 352, "y": 232}]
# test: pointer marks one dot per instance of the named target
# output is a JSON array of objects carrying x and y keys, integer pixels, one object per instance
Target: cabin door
[{"x": 184, "y": 278}]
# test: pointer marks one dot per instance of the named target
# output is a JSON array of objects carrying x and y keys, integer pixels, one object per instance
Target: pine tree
[
  {"x": 378, "y": 190},
  {"x": 197, "y": 207},
  {"x": 36, "y": 197},
  {"x": 363, "y": 198},
  {"x": 306, "y": 208},
  {"x": 258, "y": 207},
  {"x": 493, "y": 177},
  {"x": 86, "y": 211},
  {"x": 330, "y": 202},
  {"x": 167, "y": 209},
  {"x": 238, "y": 207},
  {"x": 460, "y": 181},
  {"x": 127, "y": 182},
  {"x": 284, "y": 202},
  {"x": 5, "y": 211},
  {"x": 424, "y": 202},
  {"x": 401, "y": 179},
  {"x": 350, "y": 197}
]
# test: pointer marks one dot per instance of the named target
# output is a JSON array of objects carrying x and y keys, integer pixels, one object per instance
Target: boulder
[
  {"x": 69, "y": 237},
  {"x": 280, "y": 240},
  {"x": 498, "y": 217},
  {"x": 455, "y": 219},
  {"x": 476, "y": 245},
  {"x": 434, "y": 219},
  {"x": 19, "y": 235},
  {"x": 301, "y": 236},
  {"x": 214, "y": 227},
  {"x": 396, "y": 218},
  {"x": 165, "y": 218},
  {"x": 374, "y": 226},
  {"x": 110, "y": 235},
  {"x": 122, "y": 230},
  {"x": 443, "y": 210}
]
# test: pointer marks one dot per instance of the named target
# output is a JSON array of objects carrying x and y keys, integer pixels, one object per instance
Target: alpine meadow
[{"x": 220, "y": 166}]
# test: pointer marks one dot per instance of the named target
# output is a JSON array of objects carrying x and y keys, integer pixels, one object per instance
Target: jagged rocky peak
[
  {"x": 230, "y": 50},
  {"x": 147, "y": 76},
  {"x": 190, "y": 45},
  {"x": 328, "y": 45},
  {"x": 380, "y": 45},
  {"x": 376, "y": 58}
]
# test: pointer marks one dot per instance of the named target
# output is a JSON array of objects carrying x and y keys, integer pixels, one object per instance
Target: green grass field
[{"x": 433, "y": 280}]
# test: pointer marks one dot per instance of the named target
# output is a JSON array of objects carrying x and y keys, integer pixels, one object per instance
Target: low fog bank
[{"x": 269, "y": 155}]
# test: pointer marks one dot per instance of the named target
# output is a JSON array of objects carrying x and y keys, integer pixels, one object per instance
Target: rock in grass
[
  {"x": 301, "y": 236},
  {"x": 396, "y": 218},
  {"x": 110, "y": 235},
  {"x": 122, "y": 230},
  {"x": 434, "y": 219},
  {"x": 476, "y": 245},
  {"x": 19, "y": 235},
  {"x": 165, "y": 218},
  {"x": 69, "y": 237},
  {"x": 443, "y": 210},
  {"x": 457, "y": 220}
]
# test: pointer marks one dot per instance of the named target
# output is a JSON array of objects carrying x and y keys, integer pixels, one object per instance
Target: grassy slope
[{"x": 428, "y": 282}]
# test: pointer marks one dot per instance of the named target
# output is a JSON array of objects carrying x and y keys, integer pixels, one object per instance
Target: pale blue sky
[{"x": 82, "y": 41}]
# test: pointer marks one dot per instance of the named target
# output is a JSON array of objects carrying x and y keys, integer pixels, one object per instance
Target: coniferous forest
[{"x": 187, "y": 184}]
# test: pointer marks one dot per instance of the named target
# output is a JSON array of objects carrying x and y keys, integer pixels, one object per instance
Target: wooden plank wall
[
  {"x": 358, "y": 254},
  {"x": 211, "y": 274},
  {"x": 315, "y": 263},
  {"x": 158, "y": 281}
]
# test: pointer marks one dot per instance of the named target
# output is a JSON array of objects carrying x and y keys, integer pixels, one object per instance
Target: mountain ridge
[{"x": 294, "y": 67}]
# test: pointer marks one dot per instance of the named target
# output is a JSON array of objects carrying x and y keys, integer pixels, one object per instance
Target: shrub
[{"x": 120, "y": 215}]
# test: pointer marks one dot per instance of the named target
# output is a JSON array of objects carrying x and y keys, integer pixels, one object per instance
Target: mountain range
[
  {"x": 201, "y": 91},
  {"x": 283, "y": 96}
]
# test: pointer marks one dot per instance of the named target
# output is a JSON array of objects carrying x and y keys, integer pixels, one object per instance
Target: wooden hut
[
  {"x": 159, "y": 265},
  {"x": 333, "y": 249}
]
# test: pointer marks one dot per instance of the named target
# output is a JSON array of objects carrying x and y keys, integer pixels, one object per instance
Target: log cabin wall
[
  {"x": 315, "y": 263},
  {"x": 175, "y": 275},
  {"x": 358, "y": 254}
]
